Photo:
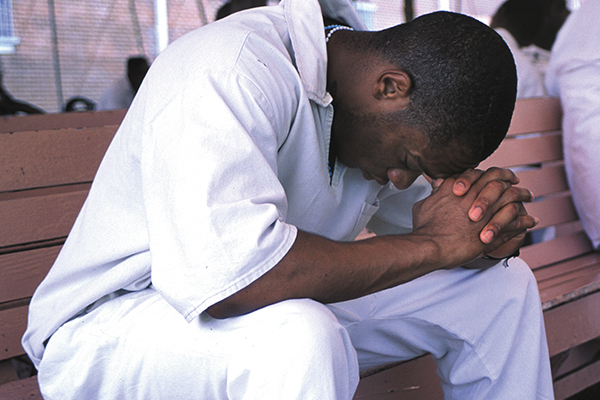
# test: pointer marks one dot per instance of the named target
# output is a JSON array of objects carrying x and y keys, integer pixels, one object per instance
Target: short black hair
[
  {"x": 464, "y": 80},
  {"x": 522, "y": 18}
]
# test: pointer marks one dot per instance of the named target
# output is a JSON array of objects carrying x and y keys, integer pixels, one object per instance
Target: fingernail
[
  {"x": 476, "y": 214},
  {"x": 459, "y": 188},
  {"x": 487, "y": 236}
]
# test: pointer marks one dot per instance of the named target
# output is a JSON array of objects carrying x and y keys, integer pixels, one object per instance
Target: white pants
[{"x": 484, "y": 328}]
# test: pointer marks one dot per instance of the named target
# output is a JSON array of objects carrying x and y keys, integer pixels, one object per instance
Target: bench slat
[
  {"x": 47, "y": 158},
  {"x": 24, "y": 389},
  {"x": 556, "y": 250},
  {"x": 61, "y": 120},
  {"x": 558, "y": 270},
  {"x": 39, "y": 218},
  {"x": 514, "y": 152},
  {"x": 570, "y": 385},
  {"x": 536, "y": 115},
  {"x": 571, "y": 288},
  {"x": 12, "y": 327},
  {"x": 573, "y": 323},
  {"x": 553, "y": 211},
  {"x": 544, "y": 181},
  {"x": 22, "y": 272}
]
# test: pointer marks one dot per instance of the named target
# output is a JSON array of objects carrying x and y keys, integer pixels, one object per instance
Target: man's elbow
[{"x": 227, "y": 308}]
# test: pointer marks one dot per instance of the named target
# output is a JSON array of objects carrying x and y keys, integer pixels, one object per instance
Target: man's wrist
[{"x": 503, "y": 259}]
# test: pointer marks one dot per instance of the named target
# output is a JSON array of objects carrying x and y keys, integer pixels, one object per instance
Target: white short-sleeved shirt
[
  {"x": 530, "y": 82},
  {"x": 573, "y": 74},
  {"x": 220, "y": 159}
]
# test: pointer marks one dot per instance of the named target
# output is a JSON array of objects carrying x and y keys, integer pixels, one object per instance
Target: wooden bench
[
  {"x": 567, "y": 268},
  {"x": 47, "y": 163},
  {"x": 45, "y": 175}
]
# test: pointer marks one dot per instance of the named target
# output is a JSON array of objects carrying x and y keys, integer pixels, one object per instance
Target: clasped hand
[{"x": 475, "y": 214}]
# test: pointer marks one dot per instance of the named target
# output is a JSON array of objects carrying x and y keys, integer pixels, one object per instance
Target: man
[
  {"x": 574, "y": 76},
  {"x": 121, "y": 93},
  {"x": 214, "y": 257}
]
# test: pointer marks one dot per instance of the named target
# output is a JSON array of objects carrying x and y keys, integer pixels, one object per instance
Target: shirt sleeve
[{"x": 216, "y": 208}]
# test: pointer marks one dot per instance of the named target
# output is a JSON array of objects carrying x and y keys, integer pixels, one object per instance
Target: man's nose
[{"x": 402, "y": 178}]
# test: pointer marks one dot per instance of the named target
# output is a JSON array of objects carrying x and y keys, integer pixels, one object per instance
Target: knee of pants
[
  {"x": 519, "y": 280},
  {"x": 303, "y": 352},
  {"x": 305, "y": 328}
]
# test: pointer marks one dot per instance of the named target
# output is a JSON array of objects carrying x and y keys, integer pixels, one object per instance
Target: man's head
[
  {"x": 522, "y": 18},
  {"x": 443, "y": 88}
]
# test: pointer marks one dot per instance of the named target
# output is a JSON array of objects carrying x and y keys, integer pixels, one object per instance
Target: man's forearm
[{"x": 330, "y": 271}]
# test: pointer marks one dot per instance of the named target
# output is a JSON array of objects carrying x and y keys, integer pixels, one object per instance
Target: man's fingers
[
  {"x": 508, "y": 222},
  {"x": 477, "y": 178},
  {"x": 464, "y": 181},
  {"x": 495, "y": 195}
]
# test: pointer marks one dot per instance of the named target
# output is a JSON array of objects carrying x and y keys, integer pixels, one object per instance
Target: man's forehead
[{"x": 445, "y": 163}]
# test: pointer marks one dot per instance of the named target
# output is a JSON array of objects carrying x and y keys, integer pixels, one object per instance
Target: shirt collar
[{"x": 306, "y": 30}]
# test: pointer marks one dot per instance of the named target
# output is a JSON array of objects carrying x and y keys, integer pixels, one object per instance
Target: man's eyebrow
[
  {"x": 422, "y": 167},
  {"x": 439, "y": 175}
]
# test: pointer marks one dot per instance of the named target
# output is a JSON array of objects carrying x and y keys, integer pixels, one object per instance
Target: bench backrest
[
  {"x": 533, "y": 149},
  {"x": 47, "y": 164}
]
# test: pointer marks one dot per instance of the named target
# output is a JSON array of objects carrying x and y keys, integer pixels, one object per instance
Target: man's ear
[{"x": 392, "y": 85}]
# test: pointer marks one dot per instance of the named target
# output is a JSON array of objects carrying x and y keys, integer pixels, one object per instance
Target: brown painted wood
[
  {"x": 12, "y": 326},
  {"x": 581, "y": 378},
  {"x": 416, "y": 380},
  {"x": 572, "y": 324},
  {"x": 553, "y": 211},
  {"x": 61, "y": 120},
  {"x": 526, "y": 151},
  {"x": 23, "y": 271},
  {"x": 25, "y": 389},
  {"x": 536, "y": 115},
  {"x": 558, "y": 270},
  {"x": 39, "y": 218},
  {"x": 48, "y": 158},
  {"x": 544, "y": 181},
  {"x": 557, "y": 250},
  {"x": 7, "y": 373}
]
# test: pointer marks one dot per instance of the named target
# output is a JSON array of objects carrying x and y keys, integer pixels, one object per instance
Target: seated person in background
[
  {"x": 78, "y": 103},
  {"x": 574, "y": 75},
  {"x": 233, "y": 6},
  {"x": 121, "y": 93},
  {"x": 555, "y": 14},
  {"x": 214, "y": 256},
  {"x": 519, "y": 22},
  {"x": 11, "y": 106}
]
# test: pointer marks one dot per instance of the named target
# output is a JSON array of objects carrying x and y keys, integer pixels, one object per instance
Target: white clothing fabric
[
  {"x": 538, "y": 57},
  {"x": 573, "y": 74},
  {"x": 204, "y": 205},
  {"x": 529, "y": 81},
  {"x": 464, "y": 318},
  {"x": 214, "y": 168},
  {"x": 117, "y": 96}
]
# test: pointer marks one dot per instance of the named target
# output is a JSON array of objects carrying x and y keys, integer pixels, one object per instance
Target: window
[{"x": 8, "y": 40}]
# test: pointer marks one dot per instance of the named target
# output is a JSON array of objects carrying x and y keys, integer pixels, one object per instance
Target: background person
[
  {"x": 574, "y": 75},
  {"x": 121, "y": 93},
  {"x": 519, "y": 22}
]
